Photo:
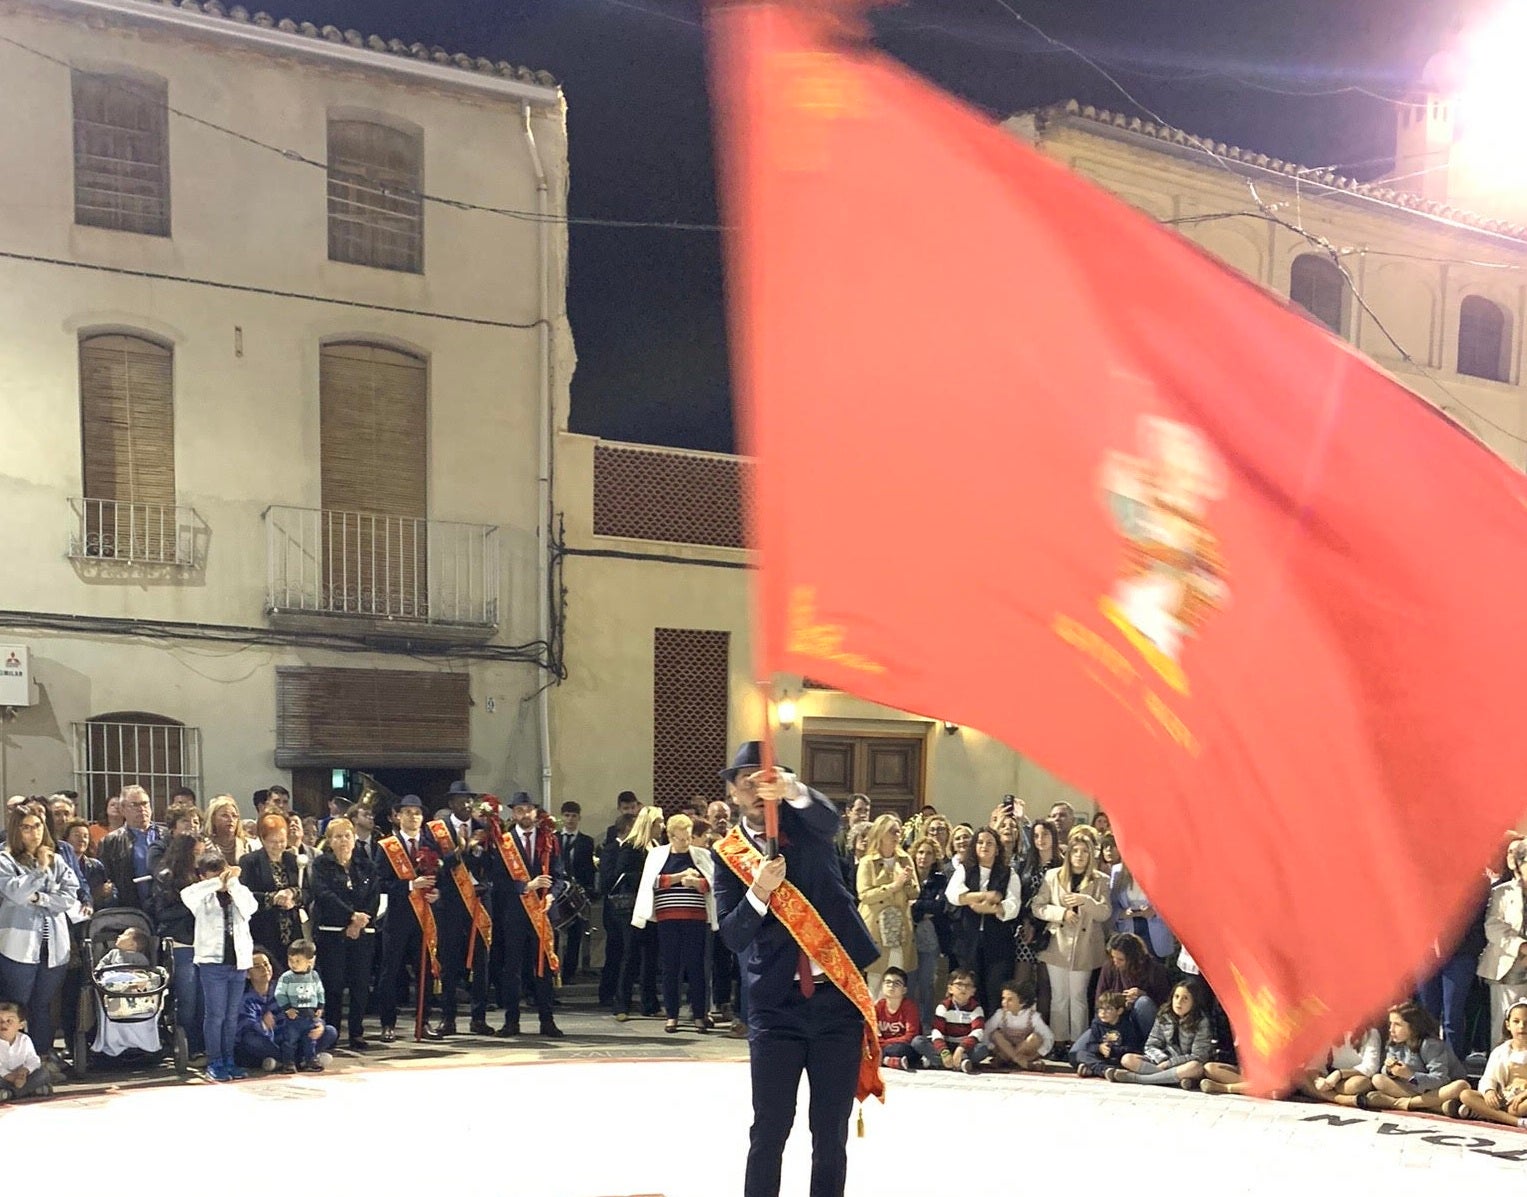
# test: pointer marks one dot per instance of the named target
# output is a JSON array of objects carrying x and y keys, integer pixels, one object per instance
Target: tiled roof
[
  {"x": 361, "y": 41},
  {"x": 1308, "y": 174}
]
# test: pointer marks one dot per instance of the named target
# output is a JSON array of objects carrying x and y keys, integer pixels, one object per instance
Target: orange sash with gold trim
[
  {"x": 465, "y": 887},
  {"x": 397, "y": 857},
  {"x": 817, "y": 940},
  {"x": 535, "y": 906}
]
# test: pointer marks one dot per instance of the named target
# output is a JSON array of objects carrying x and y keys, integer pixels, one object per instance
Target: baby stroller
[{"x": 126, "y": 1011}]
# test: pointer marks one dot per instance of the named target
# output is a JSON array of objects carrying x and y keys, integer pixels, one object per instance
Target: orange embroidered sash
[
  {"x": 465, "y": 887},
  {"x": 397, "y": 857},
  {"x": 535, "y": 906},
  {"x": 817, "y": 940}
]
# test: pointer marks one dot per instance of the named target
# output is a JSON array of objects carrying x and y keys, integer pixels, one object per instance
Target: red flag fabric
[{"x": 1029, "y": 462}]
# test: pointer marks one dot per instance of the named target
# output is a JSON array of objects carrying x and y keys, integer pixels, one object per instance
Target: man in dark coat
[
  {"x": 578, "y": 863},
  {"x": 541, "y": 859},
  {"x": 798, "y": 1020}
]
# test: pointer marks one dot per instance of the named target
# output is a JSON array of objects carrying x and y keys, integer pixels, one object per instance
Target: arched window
[
  {"x": 376, "y": 215},
  {"x": 135, "y": 748},
  {"x": 121, "y": 153},
  {"x": 1318, "y": 286},
  {"x": 1484, "y": 341}
]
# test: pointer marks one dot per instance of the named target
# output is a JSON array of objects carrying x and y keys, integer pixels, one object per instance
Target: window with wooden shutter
[
  {"x": 376, "y": 213},
  {"x": 372, "y": 718},
  {"x": 121, "y": 153},
  {"x": 127, "y": 425},
  {"x": 373, "y": 429},
  {"x": 1317, "y": 285}
]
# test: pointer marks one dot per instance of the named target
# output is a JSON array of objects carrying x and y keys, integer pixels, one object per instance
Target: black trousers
[
  {"x": 345, "y": 963},
  {"x": 822, "y": 1036},
  {"x": 455, "y": 933},
  {"x": 617, "y": 929},
  {"x": 521, "y": 951},
  {"x": 638, "y": 965},
  {"x": 723, "y": 972},
  {"x": 401, "y": 941},
  {"x": 570, "y": 942},
  {"x": 682, "y": 945}
]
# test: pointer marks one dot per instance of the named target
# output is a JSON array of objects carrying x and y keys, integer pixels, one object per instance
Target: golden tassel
[{"x": 860, "y": 1132}]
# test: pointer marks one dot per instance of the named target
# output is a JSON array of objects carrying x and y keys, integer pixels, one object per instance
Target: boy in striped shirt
[{"x": 959, "y": 1023}]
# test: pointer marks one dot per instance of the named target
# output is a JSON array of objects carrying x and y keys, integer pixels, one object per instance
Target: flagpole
[{"x": 771, "y": 805}]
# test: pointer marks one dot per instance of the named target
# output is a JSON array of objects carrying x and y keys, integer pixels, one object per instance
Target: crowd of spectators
[{"x": 1013, "y": 945}]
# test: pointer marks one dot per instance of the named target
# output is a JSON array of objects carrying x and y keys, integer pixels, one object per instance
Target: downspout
[{"x": 543, "y": 461}]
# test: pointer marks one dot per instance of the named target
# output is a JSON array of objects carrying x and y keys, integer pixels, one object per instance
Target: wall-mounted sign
[{"x": 15, "y": 676}]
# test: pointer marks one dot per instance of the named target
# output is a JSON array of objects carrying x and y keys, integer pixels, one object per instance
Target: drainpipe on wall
[{"x": 543, "y": 462}]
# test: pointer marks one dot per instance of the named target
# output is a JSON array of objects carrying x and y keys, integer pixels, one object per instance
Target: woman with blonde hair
[
  {"x": 930, "y": 922},
  {"x": 1073, "y": 901},
  {"x": 225, "y": 829},
  {"x": 886, "y": 883},
  {"x": 675, "y": 892},
  {"x": 640, "y": 956}
]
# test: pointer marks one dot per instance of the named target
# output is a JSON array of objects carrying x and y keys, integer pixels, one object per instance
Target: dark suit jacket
[
  {"x": 506, "y": 886},
  {"x": 578, "y": 861},
  {"x": 333, "y": 901},
  {"x": 260, "y": 879},
  {"x": 450, "y": 908},
  {"x": 767, "y": 955}
]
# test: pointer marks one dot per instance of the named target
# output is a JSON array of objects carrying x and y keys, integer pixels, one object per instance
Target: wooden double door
[{"x": 889, "y": 769}]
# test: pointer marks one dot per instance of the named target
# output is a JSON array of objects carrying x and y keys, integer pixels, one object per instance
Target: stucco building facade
[{"x": 277, "y": 424}]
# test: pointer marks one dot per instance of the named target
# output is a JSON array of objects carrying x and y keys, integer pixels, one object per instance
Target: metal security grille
[
  {"x": 658, "y": 494},
  {"x": 134, "y": 748},
  {"x": 376, "y": 217},
  {"x": 121, "y": 153},
  {"x": 690, "y": 671}
]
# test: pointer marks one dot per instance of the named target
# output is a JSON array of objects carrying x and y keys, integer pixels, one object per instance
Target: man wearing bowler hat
[
  {"x": 800, "y": 1018},
  {"x": 541, "y": 858},
  {"x": 463, "y": 849}
]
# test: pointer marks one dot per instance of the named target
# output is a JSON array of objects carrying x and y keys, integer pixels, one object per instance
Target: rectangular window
[
  {"x": 127, "y": 426},
  {"x": 376, "y": 212},
  {"x": 690, "y": 700},
  {"x": 129, "y": 750},
  {"x": 121, "y": 153},
  {"x": 372, "y": 718}
]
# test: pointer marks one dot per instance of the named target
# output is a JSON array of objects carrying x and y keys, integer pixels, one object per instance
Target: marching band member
[{"x": 527, "y": 871}]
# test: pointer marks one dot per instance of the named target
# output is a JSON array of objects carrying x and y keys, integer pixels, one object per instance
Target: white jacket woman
[
  {"x": 652, "y": 869},
  {"x": 200, "y": 897}
]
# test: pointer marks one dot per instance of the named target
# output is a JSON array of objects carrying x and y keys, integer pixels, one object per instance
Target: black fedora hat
[
  {"x": 460, "y": 789},
  {"x": 749, "y": 759},
  {"x": 524, "y": 798}
]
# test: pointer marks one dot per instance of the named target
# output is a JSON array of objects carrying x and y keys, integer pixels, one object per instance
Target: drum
[{"x": 572, "y": 904}]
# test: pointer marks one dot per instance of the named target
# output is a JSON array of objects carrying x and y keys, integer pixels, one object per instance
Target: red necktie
[{"x": 808, "y": 979}]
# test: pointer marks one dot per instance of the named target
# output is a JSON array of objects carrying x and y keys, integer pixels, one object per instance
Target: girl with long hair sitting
[
  {"x": 1502, "y": 1095},
  {"x": 1180, "y": 1044},
  {"x": 1420, "y": 1071}
]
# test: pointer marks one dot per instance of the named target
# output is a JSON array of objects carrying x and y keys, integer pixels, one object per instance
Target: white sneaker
[
  {"x": 325, "y": 1058},
  {"x": 268, "y": 1064}
]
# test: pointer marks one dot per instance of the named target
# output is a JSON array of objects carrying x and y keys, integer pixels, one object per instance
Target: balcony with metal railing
[
  {"x": 138, "y": 534},
  {"x": 430, "y": 579}
]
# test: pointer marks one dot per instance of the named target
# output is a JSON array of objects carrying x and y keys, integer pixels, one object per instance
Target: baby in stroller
[{"x": 127, "y": 986}]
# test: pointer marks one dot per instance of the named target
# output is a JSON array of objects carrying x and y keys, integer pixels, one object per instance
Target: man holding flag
[
  {"x": 1242, "y": 577},
  {"x": 800, "y": 945}
]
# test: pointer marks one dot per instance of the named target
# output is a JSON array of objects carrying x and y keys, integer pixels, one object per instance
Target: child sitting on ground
[
  {"x": 21, "y": 1072},
  {"x": 299, "y": 994},
  {"x": 1180, "y": 1044},
  {"x": 902, "y": 1042},
  {"x": 1016, "y": 1034},
  {"x": 1111, "y": 1036},
  {"x": 959, "y": 1020},
  {"x": 1420, "y": 1071},
  {"x": 1502, "y": 1095},
  {"x": 131, "y": 948}
]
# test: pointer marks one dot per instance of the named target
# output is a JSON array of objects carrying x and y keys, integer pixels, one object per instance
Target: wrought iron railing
[
  {"x": 137, "y": 533},
  {"x": 350, "y": 563}
]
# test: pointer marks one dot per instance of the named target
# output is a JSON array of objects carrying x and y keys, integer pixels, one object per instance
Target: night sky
[{"x": 646, "y": 305}]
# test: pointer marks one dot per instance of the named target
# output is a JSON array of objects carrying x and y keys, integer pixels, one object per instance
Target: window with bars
[
  {"x": 1484, "y": 343},
  {"x": 1318, "y": 286},
  {"x": 690, "y": 694},
  {"x": 121, "y": 153},
  {"x": 376, "y": 213},
  {"x": 127, "y": 432},
  {"x": 127, "y": 748}
]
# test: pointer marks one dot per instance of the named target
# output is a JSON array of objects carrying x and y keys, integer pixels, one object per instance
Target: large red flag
[{"x": 1032, "y": 463}]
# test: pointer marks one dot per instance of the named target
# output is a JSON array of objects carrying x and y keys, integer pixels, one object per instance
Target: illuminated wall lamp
[
  {"x": 950, "y": 728},
  {"x": 785, "y": 712}
]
